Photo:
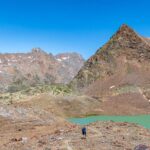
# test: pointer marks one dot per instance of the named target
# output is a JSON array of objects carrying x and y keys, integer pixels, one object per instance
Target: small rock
[
  {"x": 14, "y": 140},
  {"x": 41, "y": 142},
  {"x": 59, "y": 138},
  {"x": 57, "y": 132},
  {"x": 24, "y": 139},
  {"x": 19, "y": 129},
  {"x": 142, "y": 147}
]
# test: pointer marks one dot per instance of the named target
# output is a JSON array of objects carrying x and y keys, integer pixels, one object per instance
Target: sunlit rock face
[{"x": 21, "y": 70}]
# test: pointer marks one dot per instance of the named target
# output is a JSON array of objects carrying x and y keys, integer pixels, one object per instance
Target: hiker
[{"x": 84, "y": 131}]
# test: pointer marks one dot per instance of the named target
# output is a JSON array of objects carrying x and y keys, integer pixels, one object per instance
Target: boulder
[{"x": 142, "y": 147}]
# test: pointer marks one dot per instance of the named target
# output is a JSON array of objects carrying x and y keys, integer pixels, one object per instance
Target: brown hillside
[
  {"x": 119, "y": 74},
  {"x": 124, "y": 46}
]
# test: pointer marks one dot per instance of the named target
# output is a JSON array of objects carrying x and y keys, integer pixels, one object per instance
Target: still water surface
[{"x": 143, "y": 120}]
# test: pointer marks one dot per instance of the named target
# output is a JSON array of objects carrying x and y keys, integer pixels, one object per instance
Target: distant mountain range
[{"x": 20, "y": 70}]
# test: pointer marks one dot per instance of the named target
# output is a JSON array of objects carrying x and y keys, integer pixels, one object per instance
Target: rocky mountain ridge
[
  {"x": 118, "y": 74},
  {"x": 37, "y": 67},
  {"x": 125, "y": 45}
]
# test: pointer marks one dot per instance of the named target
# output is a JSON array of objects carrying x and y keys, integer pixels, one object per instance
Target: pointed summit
[
  {"x": 37, "y": 50},
  {"x": 125, "y": 37},
  {"x": 125, "y": 27},
  {"x": 126, "y": 32}
]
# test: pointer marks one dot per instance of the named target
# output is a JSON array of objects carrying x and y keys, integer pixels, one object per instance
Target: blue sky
[{"x": 67, "y": 25}]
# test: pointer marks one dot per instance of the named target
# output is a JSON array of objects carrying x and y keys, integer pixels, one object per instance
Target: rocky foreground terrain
[
  {"x": 64, "y": 136},
  {"x": 39, "y": 122}
]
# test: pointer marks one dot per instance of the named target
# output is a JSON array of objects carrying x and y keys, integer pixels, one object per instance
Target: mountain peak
[
  {"x": 125, "y": 37},
  {"x": 38, "y": 50},
  {"x": 123, "y": 47},
  {"x": 124, "y": 27},
  {"x": 125, "y": 31}
]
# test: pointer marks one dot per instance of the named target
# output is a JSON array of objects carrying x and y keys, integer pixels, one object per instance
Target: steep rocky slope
[
  {"x": 72, "y": 63},
  {"x": 119, "y": 74},
  {"x": 124, "y": 47},
  {"x": 18, "y": 71}
]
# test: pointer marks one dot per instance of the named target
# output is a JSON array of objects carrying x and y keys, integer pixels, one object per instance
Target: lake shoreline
[{"x": 142, "y": 120}]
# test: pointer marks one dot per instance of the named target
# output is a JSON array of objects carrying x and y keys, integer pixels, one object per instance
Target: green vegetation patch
[{"x": 127, "y": 89}]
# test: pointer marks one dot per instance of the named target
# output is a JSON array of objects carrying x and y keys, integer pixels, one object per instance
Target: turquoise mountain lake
[{"x": 143, "y": 120}]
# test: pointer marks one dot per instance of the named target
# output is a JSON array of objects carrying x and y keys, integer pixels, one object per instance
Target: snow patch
[
  {"x": 65, "y": 58},
  {"x": 59, "y": 59},
  {"x": 112, "y": 87},
  {"x": 29, "y": 57}
]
